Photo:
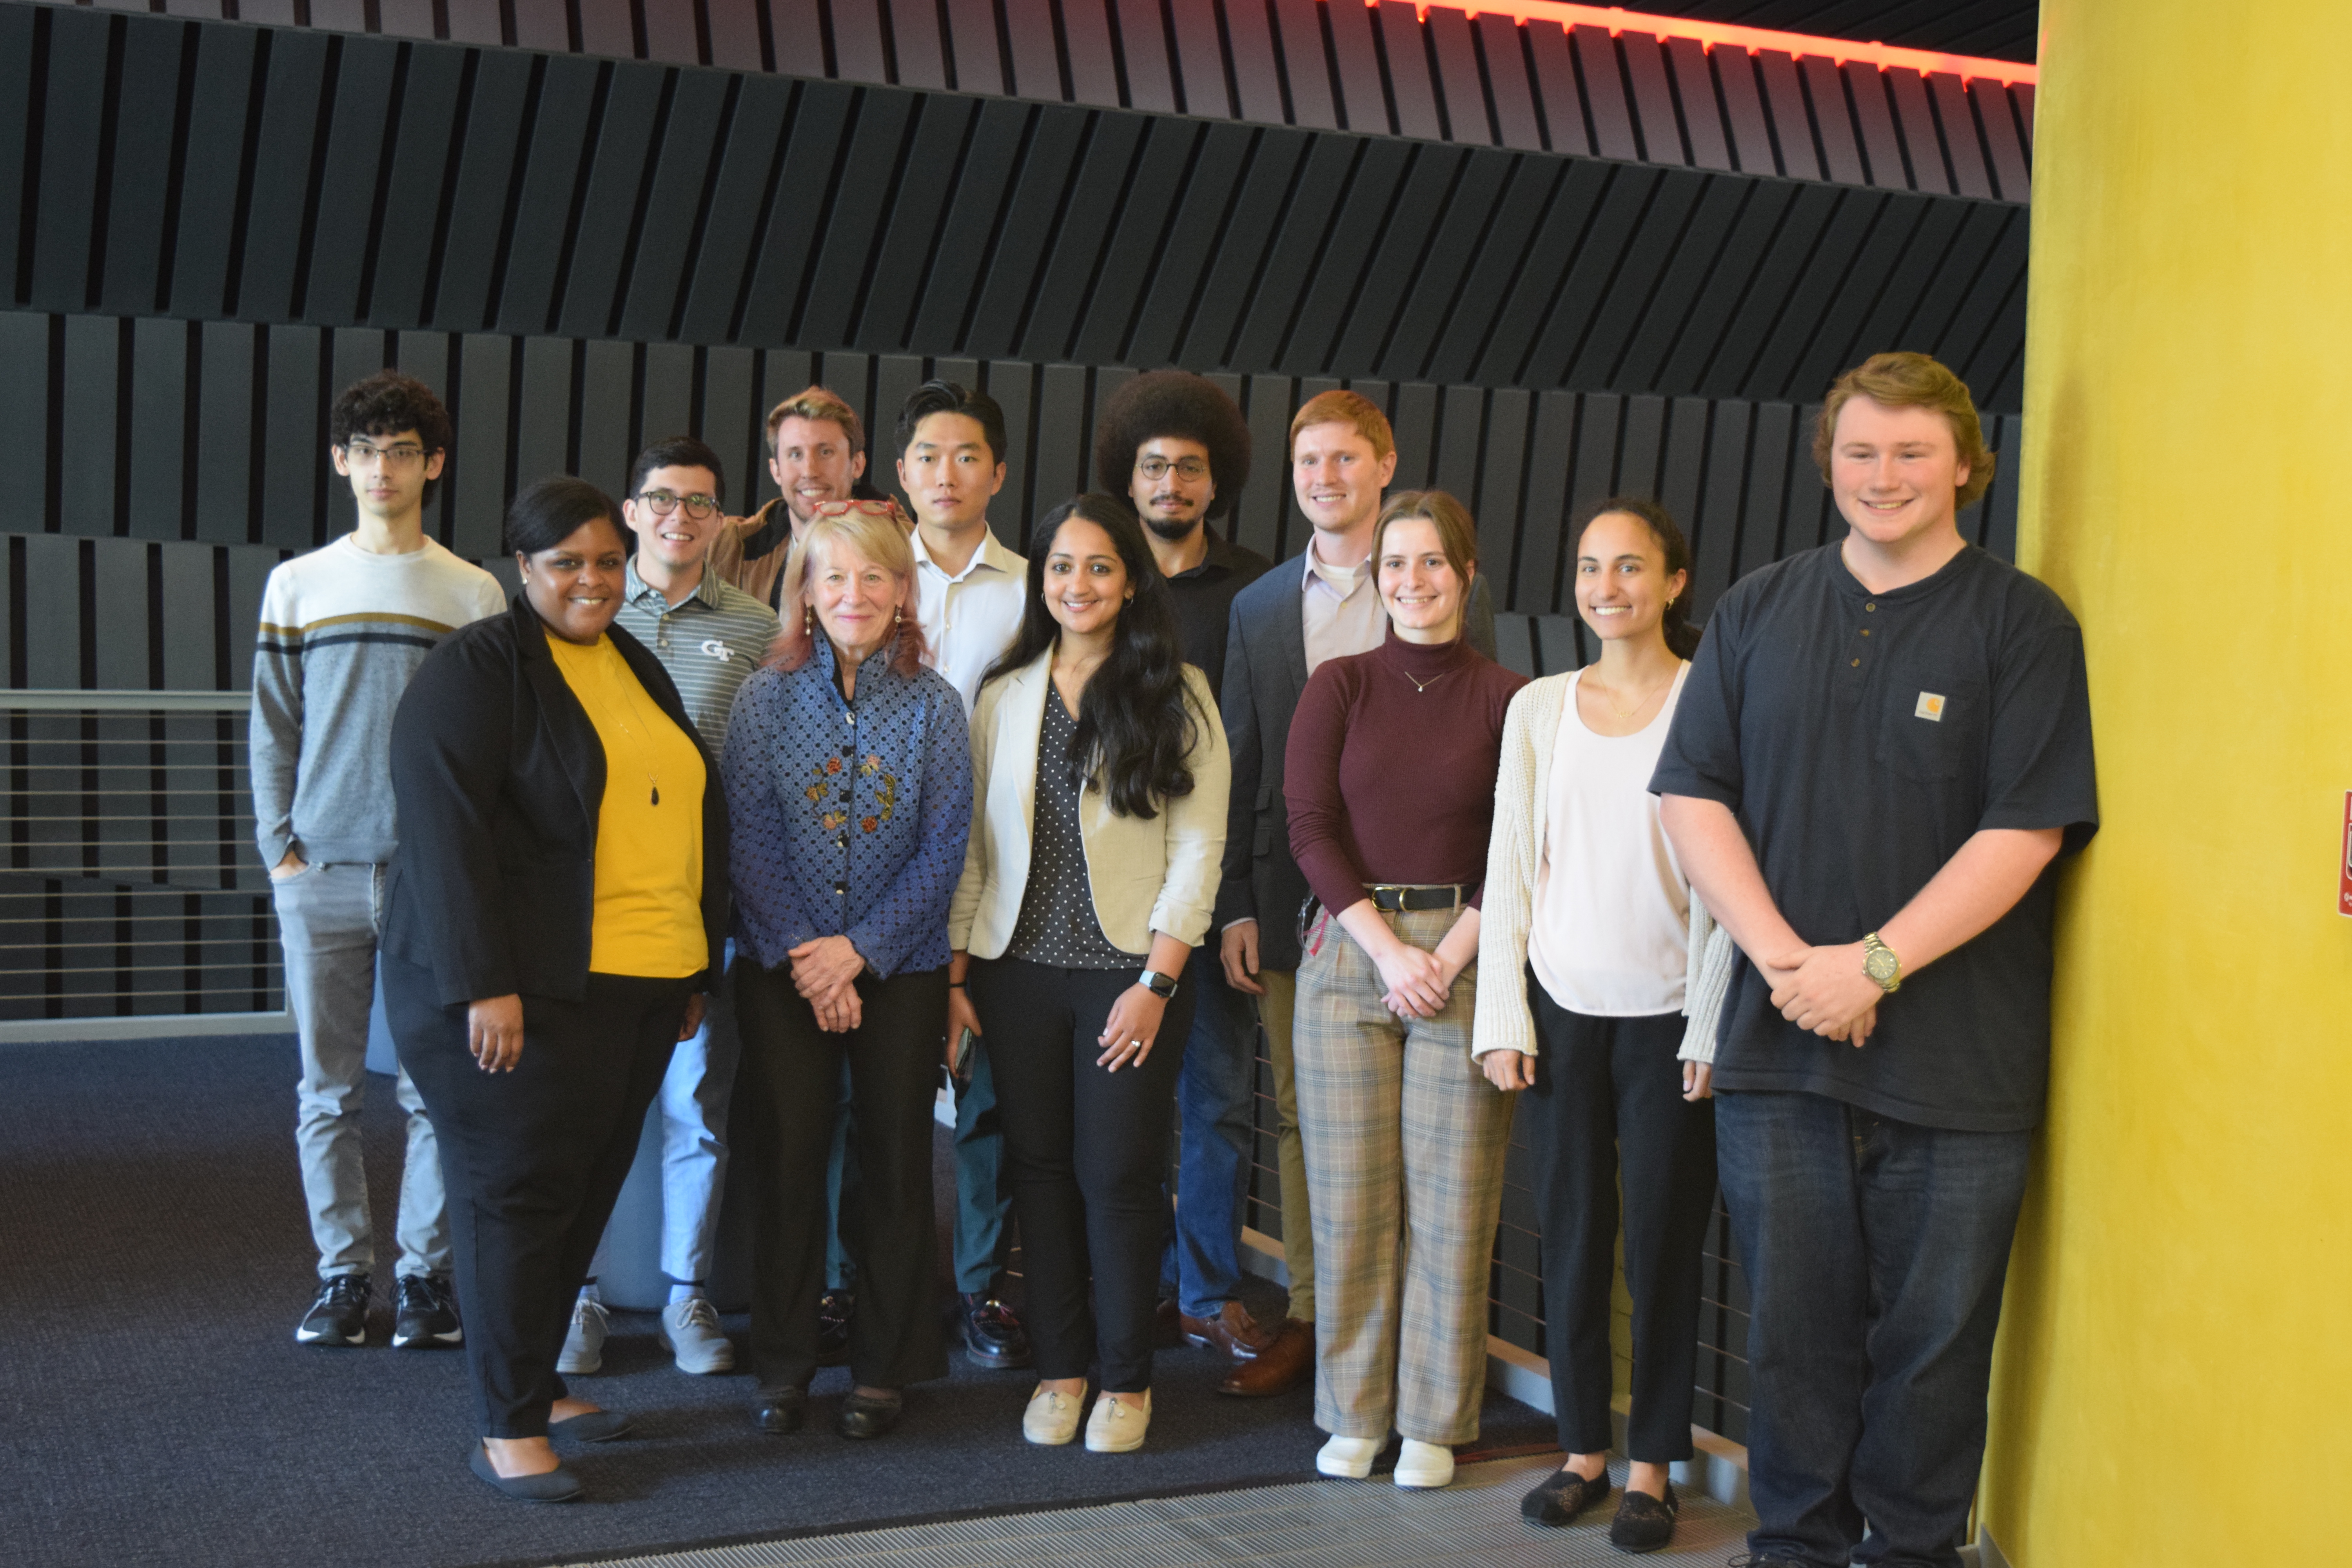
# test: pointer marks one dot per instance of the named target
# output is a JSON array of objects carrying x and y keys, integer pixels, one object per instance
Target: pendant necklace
[
  {"x": 1420, "y": 685},
  {"x": 636, "y": 744}
]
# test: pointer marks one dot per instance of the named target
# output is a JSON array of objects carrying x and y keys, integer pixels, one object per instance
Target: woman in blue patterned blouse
[{"x": 849, "y": 773}]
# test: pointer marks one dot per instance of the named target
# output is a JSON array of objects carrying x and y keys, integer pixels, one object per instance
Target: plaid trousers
[{"x": 1406, "y": 1140}]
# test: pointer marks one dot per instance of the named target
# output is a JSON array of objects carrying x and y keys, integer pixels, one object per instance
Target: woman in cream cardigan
[
  {"x": 1099, "y": 777},
  {"x": 1593, "y": 948}
]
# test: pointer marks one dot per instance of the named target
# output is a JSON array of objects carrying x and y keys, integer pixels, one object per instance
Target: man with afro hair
[{"x": 1176, "y": 445}]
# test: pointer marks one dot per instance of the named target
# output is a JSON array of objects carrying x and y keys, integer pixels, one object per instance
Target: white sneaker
[
  {"x": 584, "y": 1342},
  {"x": 1051, "y": 1418},
  {"x": 1424, "y": 1465},
  {"x": 1350, "y": 1458},
  {"x": 691, "y": 1328},
  {"x": 1117, "y": 1426}
]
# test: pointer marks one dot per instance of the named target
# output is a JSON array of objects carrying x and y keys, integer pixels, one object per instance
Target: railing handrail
[{"x": 66, "y": 701}]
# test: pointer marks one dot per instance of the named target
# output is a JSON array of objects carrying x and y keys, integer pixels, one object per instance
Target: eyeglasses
[
  {"x": 406, "y": 454},
  {"x": 1157, "y": 466},
  {"x": 866, "y": 507},
  {"x": 663, "y": 503}
]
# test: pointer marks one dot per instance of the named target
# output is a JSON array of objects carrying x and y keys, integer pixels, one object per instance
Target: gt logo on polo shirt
[
  {"x": 1931, "y": 707},
  {"x": 718, "y": 650}
]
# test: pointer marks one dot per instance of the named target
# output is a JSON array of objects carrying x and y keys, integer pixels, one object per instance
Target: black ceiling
[{"x": 1993, "y": 29}]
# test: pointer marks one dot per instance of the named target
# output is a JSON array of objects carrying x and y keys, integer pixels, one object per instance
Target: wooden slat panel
[
  {"x": 989, "y": 167},
  {"x": 1770, "y": 449},
  {"x": 1920, "y": 137},
  {"x": 1557, "y": 92},
  {"x": 542, "y": 24},
  {"x": 477, "y": 472},
  {"x": 74, "y": 104},
  {"x": 1653, "y": 100},
  {"x": 93, "y": 348},
  {"x": 1702, "y": 119},
  {"x": 1543, "y": 516},
  {"x": 747, "y": 155},
  {"x": 1201, "y": 62},
  {"x": 602, "y": 402},
  {"x": 1414, "y": 415},
  {"x": 1312, "y": 325},
  {"x": 1792, "y": 122},
  {"x": 542, "y": 415},
  {"x": 1014, "y": 387},
  {"x": 1256, "y": 225},
  {"x": 1642, "y": 449},
  {"x": 1392, "y": 260},
  {"x": 1683, "y": 277},
  {"x": 1604, "y": 94},
  {"x": 1144, "y": 52},
  {"x": 1036, "y": 61},
  {"x": 1740, "y": 340},
  {"x": 857, "y": 53},
  {"x": 346, "y": 199},
  {"x": 1423, "y": 300},
  {"x": 293, "y": 438},
  {"x": 53, "y": 613},
  {"x": 1463, "y": 89},
  {"x": 461, "y": 295},
  {"x": 1503, "y": 258},
  {"x": 159, "y": 429},
  {"x": 670, "y": 32},
  {"x": 667, "y": 405},
  {"x": 1602, "y": 318},
  {"x": 1305, "y": 67},
  {"x": 280, "y": 175},
  {"x": 141, "y": 169},
  {"x": 1250, "y": 53},
  {"x": 1572, "y": 233},
  {"x": 797, "y": 33},
  {"x": 1867, "y": 90},
  {"x": 224, "y": 454},
  {"x": 978, "y": 55},
  {"x": 1743, "y": 103},
  {"x": 569, "y": 88},
  {"x": 25, "y": 452},
  {"x": 1961, "y": 142},
  {"x": 1094, "y": 71},
  {"x": 1714, "y": 523},
  {"x": 1832, "y": 121},
  {"x": 2021, "y": 97},
  {"x": 734, "y": 34},
  {"x": 16, "y": 23},
  {"x": 625, "y": 144},
  {"x": 731, "y": 420},
  {"x": 1506, "y": 65},
  {"x": 1813, "y": 296},
  {"x": 420, "y": 159},
  {"x": 1186, "y": 254},
  {"x": 1363, "y": 105},
  {"x": 1908, "y": 278},
  {"x": 606, "y": 28},
  {"x": 1408, "y": 59},
  {"x": 1082, "y": 242},
  {"x": 821, "y": 117},
  {"x": 1724, "y": 296},
  {"x": 2010, "y": 169},
  {"x": 914, "y": 219},
  {"x": 191, "y": 646},
  {"x": 1258, "y": 514},
  {"x": 1043, "y": 176},
  {"x": 1501, "y": 471},
  {"x": 692, "y": 141},
  {"x": 120, "y": 568},
  {"x": 1462, "y": 418}
]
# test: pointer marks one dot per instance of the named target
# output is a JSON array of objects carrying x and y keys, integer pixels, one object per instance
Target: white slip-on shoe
[
  {"x": 689, "y": 1328},
  {"x": 1117, "y": 1426},
  {"x": 1350, "y": 1458},
  {"x": 584, "y": 1342},
  {"x": 1051, "y": 1418},
  {"x": 1424, "y": 1465}
]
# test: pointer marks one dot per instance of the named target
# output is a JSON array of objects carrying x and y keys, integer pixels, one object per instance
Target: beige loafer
[
  {"x": 1051, "y": 1418},
  {"x": 1117, "y": 1426}
]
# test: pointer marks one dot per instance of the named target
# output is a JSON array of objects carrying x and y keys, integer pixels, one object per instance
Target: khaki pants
[
  {"x": 1404, "y": 1142},
  {"x": 1274, "y": 1010}
]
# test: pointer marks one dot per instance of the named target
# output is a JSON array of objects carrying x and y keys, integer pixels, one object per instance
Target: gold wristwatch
[{"x": 1878, "y": 962}]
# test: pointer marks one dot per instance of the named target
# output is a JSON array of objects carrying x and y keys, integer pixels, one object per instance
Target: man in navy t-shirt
[{"x": 1882, "y": 749}]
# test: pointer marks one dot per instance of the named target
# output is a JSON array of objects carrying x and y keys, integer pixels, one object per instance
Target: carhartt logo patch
[{"x": 1931, "y": 707}]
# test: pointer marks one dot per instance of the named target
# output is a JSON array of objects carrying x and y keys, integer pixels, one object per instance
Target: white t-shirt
[
  {"x": 1610, "y": 937},
  {"x": 970, "y": 619}
]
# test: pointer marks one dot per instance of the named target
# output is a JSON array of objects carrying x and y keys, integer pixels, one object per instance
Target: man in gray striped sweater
[
  {"x": 711, "y": 636},
  {"x": 342, "y": 630}
]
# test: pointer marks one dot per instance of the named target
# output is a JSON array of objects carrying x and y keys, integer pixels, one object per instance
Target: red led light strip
[{"x": 1719, "y": 34}]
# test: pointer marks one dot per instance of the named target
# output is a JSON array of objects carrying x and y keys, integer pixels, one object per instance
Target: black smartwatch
[{"x": 1161, "y": 985}]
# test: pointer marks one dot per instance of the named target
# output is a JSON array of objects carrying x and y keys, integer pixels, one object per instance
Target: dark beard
[{"x": 1174, "y": 532}]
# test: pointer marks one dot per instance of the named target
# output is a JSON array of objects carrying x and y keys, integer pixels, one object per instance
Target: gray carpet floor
[{"x": 154, "y": 1259}]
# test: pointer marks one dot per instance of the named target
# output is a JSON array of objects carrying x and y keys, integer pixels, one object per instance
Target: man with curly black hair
[
  {"x": 1178, "y": 446},
  {"x": 342, "y": 630}
]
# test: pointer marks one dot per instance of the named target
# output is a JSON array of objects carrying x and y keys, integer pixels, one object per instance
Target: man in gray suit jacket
[{"x": 1321, "y": 604}]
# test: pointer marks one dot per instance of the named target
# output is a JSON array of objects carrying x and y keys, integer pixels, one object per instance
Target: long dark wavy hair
[
  {"x": 1682, "y": 638},
  {"x": 1138, "y": 719}
]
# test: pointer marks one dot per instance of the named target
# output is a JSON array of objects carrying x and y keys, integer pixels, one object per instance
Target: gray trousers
[{"x": 327, "y": 923}]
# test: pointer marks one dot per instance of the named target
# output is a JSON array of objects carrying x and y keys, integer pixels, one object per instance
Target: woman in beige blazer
[{"x": 1099, "y": 778}]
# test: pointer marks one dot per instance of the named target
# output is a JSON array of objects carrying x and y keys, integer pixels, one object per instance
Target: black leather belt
[{"x": 1394, "y": 897}]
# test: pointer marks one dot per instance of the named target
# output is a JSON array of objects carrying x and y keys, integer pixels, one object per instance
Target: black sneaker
[
  {"x": 833, "y": 1315},
  {"x": 425, "y": 1313},
  {"x": 993, "y": 1336},
  {"x": 339, "y": 1317}
]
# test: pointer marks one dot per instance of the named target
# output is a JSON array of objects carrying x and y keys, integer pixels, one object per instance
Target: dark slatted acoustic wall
[
  {"x": 1996, "y": 29},
  {"x": 316, "y": 177}
]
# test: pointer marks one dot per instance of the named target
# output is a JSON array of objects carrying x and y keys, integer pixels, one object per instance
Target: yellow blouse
[{"x": 648, "y": 920}]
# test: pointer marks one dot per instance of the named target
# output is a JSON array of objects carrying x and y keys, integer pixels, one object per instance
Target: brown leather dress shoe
[
  {"x": 1232, "y": 1331},
  {"x": 1282, "y": 1366}
]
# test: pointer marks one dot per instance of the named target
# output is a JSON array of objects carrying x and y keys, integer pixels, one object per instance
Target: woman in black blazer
[{"x": 552, "y": 915}]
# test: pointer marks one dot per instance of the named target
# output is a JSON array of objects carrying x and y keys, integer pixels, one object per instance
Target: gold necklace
[
  {"x": 1420, "y": 685},
  {"x": 641, "y": 746},
  {"x": 1647, "y": 698}
]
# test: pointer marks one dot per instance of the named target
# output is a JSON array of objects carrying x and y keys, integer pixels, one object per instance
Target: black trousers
[
  {"x": 1608, "y": 1093},
  {"x": 788, "y": 1089},
  {"x": 1085, "y": 1150},
  {"x": 533, "y": 1160}
]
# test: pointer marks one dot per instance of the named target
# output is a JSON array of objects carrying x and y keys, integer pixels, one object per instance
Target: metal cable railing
[{"x": 132, "y": 887}]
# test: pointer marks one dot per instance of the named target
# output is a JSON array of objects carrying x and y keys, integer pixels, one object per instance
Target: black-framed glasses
[
  {"x": 399, "y": 455},
  {"x": 1156, "y": 467},
  {"x": 663, "y": 503}
]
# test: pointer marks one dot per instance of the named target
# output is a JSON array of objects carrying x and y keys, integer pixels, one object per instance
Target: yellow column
[{"x": 2175, "y": 1376}]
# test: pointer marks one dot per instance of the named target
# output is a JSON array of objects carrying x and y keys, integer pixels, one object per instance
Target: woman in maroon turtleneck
[{"x": 1389, "y": 776}]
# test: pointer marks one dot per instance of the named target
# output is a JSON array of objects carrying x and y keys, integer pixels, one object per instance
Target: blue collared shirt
[{"x": 848, "y": 818}]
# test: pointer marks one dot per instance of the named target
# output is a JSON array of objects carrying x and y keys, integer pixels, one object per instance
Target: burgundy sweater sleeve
[{"x": 1320, "y": 838}]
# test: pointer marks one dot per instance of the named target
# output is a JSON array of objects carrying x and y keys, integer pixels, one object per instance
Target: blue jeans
[
  {"x": 984, "y": 1203},
  {"x": 1874, "y": 1251},
  {"x": 1203, "y": 1253}
]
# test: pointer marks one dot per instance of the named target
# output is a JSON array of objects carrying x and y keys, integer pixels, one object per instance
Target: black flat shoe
[
  {"x": 594, "y": 1426},
  {"x": 780, "y": 1411},
  {"x": 558, "y": 1485},
  {"x": 869, "y": 1415},
  {"x": 1563, "y": 1495},
  {"x": 1643, "y": 1523}
]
